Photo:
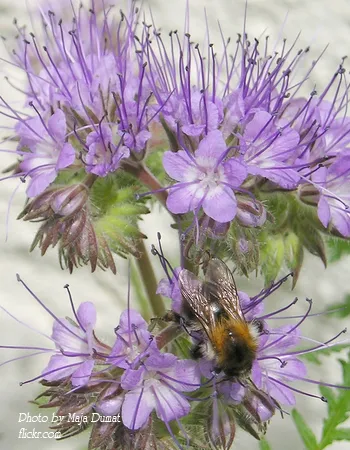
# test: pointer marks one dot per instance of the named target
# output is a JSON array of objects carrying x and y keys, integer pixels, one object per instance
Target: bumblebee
[{"x": 224, "y": 335}]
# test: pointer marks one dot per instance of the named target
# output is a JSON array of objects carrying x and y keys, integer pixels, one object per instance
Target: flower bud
[
  {"x": 69, "y": 200},
  {"x": 309, "y": 194},
  {"x": 250, "y": 213}
]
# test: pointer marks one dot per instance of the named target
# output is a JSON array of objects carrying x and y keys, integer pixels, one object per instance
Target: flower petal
[
  {"x": 324, "y": 211},
  {"x": 212, "y": 146},
  {"x": 137, "y": 406},
  {"x": 177, "y": 165},
  {"x": 82, "y": 375},
  {"x": 170, "y": 405},
  {"x": 87, "y": 314},
  {"x": 235, "y": 172},
  {"x": 220, "y": 204},
  {"x": 183, "y": 199}
]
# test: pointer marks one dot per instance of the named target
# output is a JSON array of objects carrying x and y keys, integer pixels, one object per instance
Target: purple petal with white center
[
  {"x": 249, "y": 312},
  {"x": 341, "y": 221},
  {"x": 141, "y": 139},
  {"x": 220, "y": 204},
  {"x": 111, "y": 406},
  {"x": 280, "y": 393},
  {"x": 264, "y": 412},
  {"x": 58, "y": 366},
  {"x": 283, "y": 176},
  {"x": 69, "y": 340},
  {"x": 132, "y": 378},
  {"x": 160, "y": 361},
  {"x": 130, "y": 318},
  {"x": 193, "y": 129},
  {"x": 281, "y": 339},
  {"x": 293, "y": 369},
  {"x": 183, "y": 199}
]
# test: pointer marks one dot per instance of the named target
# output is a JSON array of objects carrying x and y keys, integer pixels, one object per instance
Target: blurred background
[{"x": 321, "y": 23}]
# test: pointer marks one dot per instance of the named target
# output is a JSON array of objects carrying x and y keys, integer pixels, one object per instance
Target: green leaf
[
  {"x": 338, "y": 248},
  {"x": 314, "y": 357},
  {"x": 305, "y": 432},
  {"x": 344, "y": 308},
  {"x": 264, "y": 445},
  {"x": 338, "y": 411},
  {"x": 342, "y": 434}
]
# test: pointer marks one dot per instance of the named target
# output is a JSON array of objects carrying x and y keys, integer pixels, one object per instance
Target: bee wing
[
  {"x": 192, "y": 290},
  {"x": 221, "y": 284}
]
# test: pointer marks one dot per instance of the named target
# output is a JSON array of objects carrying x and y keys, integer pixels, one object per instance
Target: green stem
[
  {"x": 149, "y": 281},
  {"x": 147, "y": 178}
]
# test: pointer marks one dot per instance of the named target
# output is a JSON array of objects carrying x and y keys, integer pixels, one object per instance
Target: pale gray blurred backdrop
[{"x": 321, "y": 22}]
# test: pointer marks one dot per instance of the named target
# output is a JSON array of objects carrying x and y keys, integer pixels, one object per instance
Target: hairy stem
[
  {"x": 147, "y": 178},
  {"x": 149, "y": 281}
]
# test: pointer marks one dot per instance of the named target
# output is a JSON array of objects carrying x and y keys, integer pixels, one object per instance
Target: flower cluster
[
  {"x": 88, "y": 114},
  {"x": 245, "y": 153}
]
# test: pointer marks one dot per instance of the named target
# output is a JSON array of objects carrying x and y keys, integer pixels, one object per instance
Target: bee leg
[
  {"x": 196, "y": 351},
  {"x": 217, "y": 370},
  {"x": 169, "y": 316}
]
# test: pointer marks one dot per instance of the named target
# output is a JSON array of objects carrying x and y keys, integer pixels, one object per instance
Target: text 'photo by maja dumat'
[{"x": 175, "y": 225}]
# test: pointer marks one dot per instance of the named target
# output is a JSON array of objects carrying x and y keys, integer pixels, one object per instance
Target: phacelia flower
[
  {"x": 123, "y": 383},
  {"x": 206, "y": 179},
  {"x": 48, "y": 151}
]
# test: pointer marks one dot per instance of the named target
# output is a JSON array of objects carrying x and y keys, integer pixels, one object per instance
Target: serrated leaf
[
  {"x": 342, "y": 434},
  {"x": 305, "y": 431},
  {"x": 264, "y": 445},
  {"x": 338, "y": 248}
]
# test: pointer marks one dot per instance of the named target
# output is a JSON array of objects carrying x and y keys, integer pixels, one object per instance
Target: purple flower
[
  {"x": 76, "y": 346},
  {"x": 133, "y": 340},
  {"x": 158, "y": 385},
  {"x": 48, "y": 150},
  {"x": 274, "y": 369},
  {"x": 268, "y": 148},
  {"x": 103, "y": 155},
  {"x": 333, "y": 183},
  {"x": 206, "y": 179}
]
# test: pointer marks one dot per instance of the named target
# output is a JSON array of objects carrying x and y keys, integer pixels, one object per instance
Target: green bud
[
  {"x": 294, "y": 254},
  {"x": 271, "y": 255}
]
